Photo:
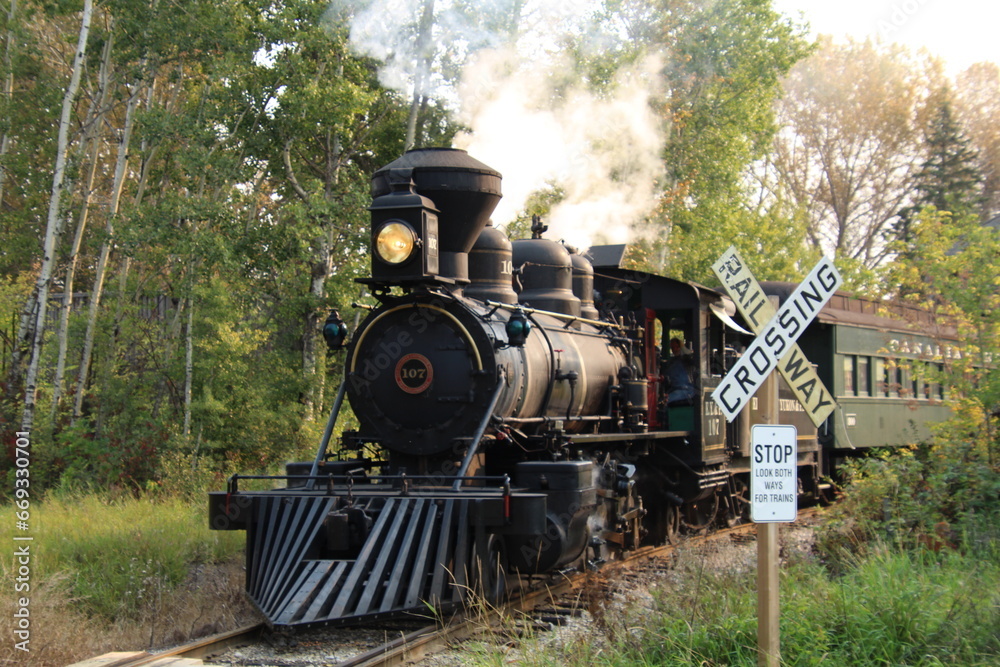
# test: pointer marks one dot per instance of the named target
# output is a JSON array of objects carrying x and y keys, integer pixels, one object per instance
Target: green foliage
[
  {"x": 242, "y": 221},
  {"x": 726, "y": 60},
  {"x": 952, "y": 268},
  {"x": 949, "y": 178},
  {"x": 245, "y": 386},
  {"x": 936, "y": 496},
  {"x": 775, "y": 238},
  {"x": 123, "y": 455},
  {"x": 27, "y": 164}
]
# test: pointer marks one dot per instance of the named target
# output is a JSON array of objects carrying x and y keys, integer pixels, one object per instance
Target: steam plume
[{"x": 531, "y": 114}]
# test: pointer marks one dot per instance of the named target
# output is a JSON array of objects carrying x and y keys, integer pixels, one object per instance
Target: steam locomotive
[{"x": 516, "y": 416}]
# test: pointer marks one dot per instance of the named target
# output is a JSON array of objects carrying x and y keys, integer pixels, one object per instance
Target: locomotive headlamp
[
  {"x": 395, "y": 242},
  {"x": 404, "y": 240}
]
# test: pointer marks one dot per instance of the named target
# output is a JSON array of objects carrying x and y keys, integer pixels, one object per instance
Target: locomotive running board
[{"x": 414, "y": 556}]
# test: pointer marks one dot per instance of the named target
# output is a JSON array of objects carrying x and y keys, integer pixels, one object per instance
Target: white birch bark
[
  {"x": 102, "y": 262},
  {"x": 8, "y": 86},
  {"x": 188, "y": 367},
  {"x": 53, "y": 224},
  {"x": 91, "y": 139}
]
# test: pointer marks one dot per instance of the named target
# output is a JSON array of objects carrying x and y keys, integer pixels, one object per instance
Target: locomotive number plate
[{"x": 414, "y": 373}]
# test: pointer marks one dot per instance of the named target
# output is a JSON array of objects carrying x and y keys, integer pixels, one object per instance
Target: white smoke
[
  {"x": 602, "y": 151},
  {"x": 531, "y": 114}
]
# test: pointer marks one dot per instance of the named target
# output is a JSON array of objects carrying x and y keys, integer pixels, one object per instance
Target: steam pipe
[
  {"x": 321, "y": 454},
  {"x": 546, "y": 420},
  {"x": 559, "y": 316},
  {"x": 474, "y": 445}
]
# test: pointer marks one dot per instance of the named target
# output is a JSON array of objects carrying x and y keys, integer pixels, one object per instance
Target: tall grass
[
  {"x": 897, "y": 607},
  {"x": 120, "y": 574},
  {"x": 893, "y": 607},
  {"x": 116, "y": 553}
]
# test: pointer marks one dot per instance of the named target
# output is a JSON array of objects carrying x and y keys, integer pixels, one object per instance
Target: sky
[{"x": 962, "y": 32}]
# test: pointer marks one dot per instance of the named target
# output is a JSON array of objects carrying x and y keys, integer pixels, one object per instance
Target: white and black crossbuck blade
[{"x": 775, "y": 342}]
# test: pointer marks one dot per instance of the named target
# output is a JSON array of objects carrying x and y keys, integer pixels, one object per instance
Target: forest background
[
  {"x": 183, "y": 185},
  {"x": 183, "y": 192}
]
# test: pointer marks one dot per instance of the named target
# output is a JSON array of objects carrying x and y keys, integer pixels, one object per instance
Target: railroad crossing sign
[{"x": 774, "y": 346}]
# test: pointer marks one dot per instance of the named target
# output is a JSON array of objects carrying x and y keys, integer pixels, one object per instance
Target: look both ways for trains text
[{"x": 774, "y": 346}]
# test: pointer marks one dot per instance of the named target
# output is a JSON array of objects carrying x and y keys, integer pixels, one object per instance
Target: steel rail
[{"x": 200, "y": 649}]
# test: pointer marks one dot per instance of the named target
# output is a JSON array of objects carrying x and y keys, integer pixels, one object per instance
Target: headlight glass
[{"x": 394, "y": 242}]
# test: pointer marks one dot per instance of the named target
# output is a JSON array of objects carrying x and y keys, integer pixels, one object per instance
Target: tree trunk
[
  {"x": 188, "y": 367},
  {"x": 102, "y": 262},
  {"x": 422, "y": 74},
  {"x": 8, "y": 86},
  {"x": 53, "y": 225},
  {"x": 92, "y": 137}
]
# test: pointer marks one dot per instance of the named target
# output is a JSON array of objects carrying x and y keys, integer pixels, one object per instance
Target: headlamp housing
[{"x": 404, "y": 240}]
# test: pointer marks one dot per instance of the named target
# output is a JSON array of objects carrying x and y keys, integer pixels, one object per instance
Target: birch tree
[
  {"x": 100, "y": 271},
  {"x": 53, "y": 226},
  {"x": 8, "y": 87},
  {"x": 91, "y": 147}
]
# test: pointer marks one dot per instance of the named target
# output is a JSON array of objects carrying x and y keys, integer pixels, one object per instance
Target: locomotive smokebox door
[{"x": 404, "y": 233}]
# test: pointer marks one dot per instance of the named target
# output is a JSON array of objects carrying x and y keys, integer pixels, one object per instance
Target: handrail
[{"x": 440, "y": 480}]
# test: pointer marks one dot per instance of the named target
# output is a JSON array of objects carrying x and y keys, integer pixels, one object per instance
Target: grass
[
  {"x": 891, "y": 607},
  {"x": 119, "y": 574},
  {"x": 129, "y": 573}
]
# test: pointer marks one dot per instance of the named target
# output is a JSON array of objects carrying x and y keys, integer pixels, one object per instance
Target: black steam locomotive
[{"x": 516, "y": 416}]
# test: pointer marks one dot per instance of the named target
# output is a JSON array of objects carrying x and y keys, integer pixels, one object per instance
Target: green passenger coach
[{"x": 882, "y": 361}]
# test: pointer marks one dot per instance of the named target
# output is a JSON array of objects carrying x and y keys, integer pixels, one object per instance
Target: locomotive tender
[{"x": 514, "y": 414}]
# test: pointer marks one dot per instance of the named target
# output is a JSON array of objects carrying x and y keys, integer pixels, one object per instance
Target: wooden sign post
[
  {"x": 773, "y": 453},
  {"x": 773, "y": 498}
]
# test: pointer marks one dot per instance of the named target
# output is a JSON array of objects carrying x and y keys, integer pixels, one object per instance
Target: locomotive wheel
[
  {"x": 742, "y": 499},
  {"x": 672, "y": 522},
  {"x": 489, "y": 570},
  {"x": 700, "y": 514},
  {"x": 734, "y": 505}
]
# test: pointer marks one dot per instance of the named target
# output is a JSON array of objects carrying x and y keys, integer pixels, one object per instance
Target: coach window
[
  {"x": 849, "y": 388},
  {"x": 864, "y": 379},
  {"x": 906, "y": 381},
  {"x": 895, "y": 380},
  {"x": 881, "y": 377}
]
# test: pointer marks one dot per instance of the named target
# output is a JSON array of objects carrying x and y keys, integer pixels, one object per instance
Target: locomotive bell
[{"x": 404, "y": 246}]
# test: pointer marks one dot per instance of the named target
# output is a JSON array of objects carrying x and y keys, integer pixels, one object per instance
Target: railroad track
[{"x": 555, "y": 596}]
